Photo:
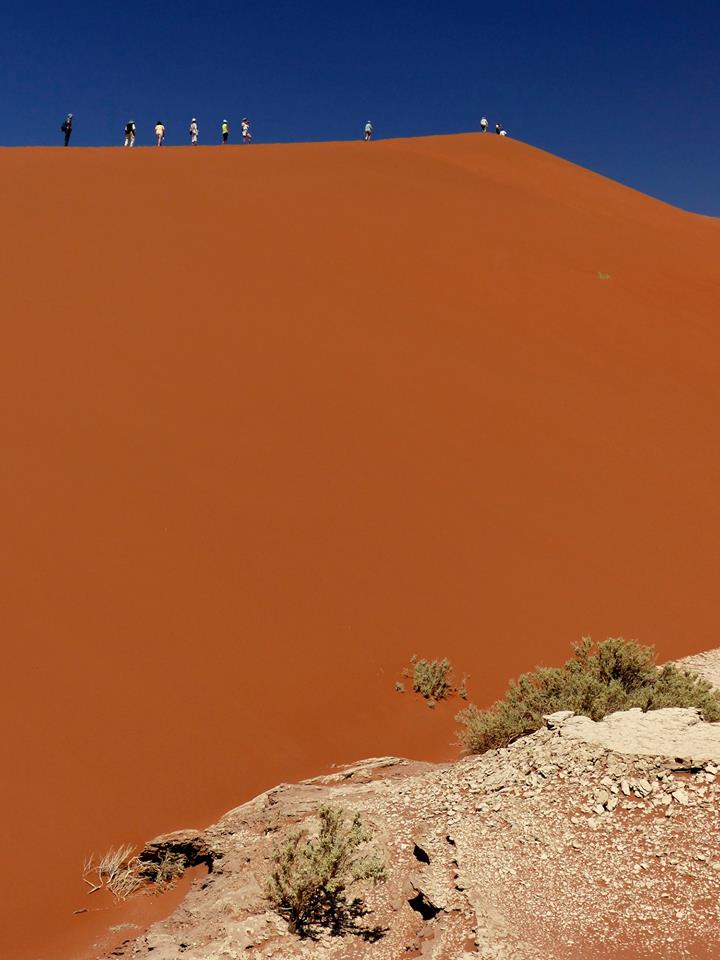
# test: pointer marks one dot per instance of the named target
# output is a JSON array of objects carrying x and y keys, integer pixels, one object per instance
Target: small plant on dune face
[
  {"x": 615, "y": 675},
  {"x": 311, "y": 875},
  {"x": 432, "y": 679}
]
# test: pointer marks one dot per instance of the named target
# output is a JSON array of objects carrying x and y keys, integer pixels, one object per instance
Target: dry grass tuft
[
  {"x": 123, "y": 873},
  {"x": 117, "y": 871}
]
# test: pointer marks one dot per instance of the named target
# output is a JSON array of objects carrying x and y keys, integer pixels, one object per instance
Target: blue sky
[{"x": 628, "y": 89}]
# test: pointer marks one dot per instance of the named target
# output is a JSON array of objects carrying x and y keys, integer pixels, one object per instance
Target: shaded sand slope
[{"x": 274, "y": 419}]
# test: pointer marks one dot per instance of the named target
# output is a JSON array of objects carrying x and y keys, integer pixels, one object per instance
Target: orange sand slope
[{"x": 276, "y": 418}]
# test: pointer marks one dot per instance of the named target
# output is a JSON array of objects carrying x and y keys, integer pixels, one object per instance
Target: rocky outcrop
[
  {"x": 584, "y": 839},
  {"x": 671, "y": 732},
  {"x": 707, "y": 665}
]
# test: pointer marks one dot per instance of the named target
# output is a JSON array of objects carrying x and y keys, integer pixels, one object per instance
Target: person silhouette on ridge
[
  {"x": 130, "y": 133},
  {"x": 194, "y": 132},
  {"x": 368, "y": 131},
  {"x": 67, "y": 128},
  {"x": 484, "y": 125},
  {"x": 225, "y": 130},
  {"x": 160, "y": 133},
  {"x": 245, "y": 127},
  {"x": 498, "y": 128}
]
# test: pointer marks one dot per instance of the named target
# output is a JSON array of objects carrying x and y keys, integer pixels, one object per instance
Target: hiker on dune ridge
[
  {"x": 130, "y": 133},
  {"x": 484, "y": 125},
  {"x": 194, "y": 132},
  {"x": 225, "y": 130},
  {"x": 67, "y": 128},
  {"x": 160, "y": 133},
  {"x": 368, "y": 131},
  {"x": 245, "y": 127}
]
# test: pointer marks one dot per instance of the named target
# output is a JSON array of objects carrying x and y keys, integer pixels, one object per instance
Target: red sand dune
[{"x": 276, "y": 418}]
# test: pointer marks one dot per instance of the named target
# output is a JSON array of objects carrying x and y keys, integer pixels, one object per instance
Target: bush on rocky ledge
[
  {"x": 615, "y": 675},
  {"x": 310, "y": 877}
]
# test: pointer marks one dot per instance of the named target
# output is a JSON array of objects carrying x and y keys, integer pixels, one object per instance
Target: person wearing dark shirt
[{"x": 67, "y": 128}]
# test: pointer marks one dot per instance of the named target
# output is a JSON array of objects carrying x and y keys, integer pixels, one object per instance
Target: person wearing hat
[
  {"x": 130, "y": 133},
  {"x": 67, "y": 128},
  {"x": 194, "y": 132},
  {"x": 225, "y": 130},
  {"x": 368, "y": 131}
]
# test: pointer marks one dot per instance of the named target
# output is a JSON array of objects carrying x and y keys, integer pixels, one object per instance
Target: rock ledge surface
[{"x": 584, "y": 839}]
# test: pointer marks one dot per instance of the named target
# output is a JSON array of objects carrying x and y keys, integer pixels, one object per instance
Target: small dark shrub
[
  {"x": 166, "y": 871},
  {"x": 615, "y": 675},
  {"x": 311, "y": 875}
]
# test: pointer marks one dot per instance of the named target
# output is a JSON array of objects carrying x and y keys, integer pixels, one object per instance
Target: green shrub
[
  {"x": 311, "y": 875},
  {"x": 615, "y": 675},
  {"x": 432, "y": 679}
]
